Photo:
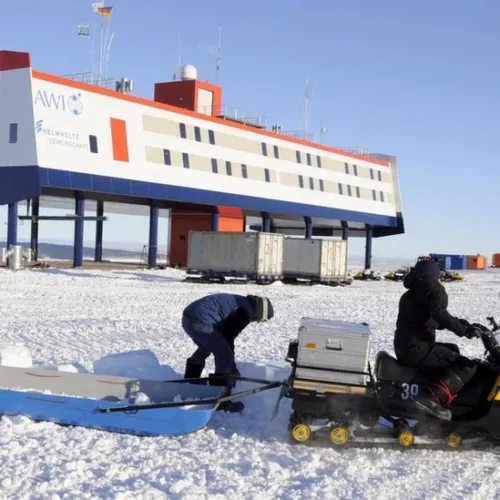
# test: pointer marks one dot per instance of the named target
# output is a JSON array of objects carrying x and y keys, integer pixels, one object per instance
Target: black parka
[{"x": 422, "y": 311}]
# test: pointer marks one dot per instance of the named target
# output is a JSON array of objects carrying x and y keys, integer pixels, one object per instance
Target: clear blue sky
[{"x": 419, "y": 80}]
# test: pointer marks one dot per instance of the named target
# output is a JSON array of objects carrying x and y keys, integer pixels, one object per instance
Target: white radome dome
[{"x": 189, "y": 72}]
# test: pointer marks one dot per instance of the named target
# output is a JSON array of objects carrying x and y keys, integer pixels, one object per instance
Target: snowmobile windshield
[{"x": 425, "y": 271}]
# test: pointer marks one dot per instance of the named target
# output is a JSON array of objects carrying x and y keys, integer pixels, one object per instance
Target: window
[
  {"x": 228, "y": 168},
  {"x": 358, "y": 193},
  {"x": 374, "y": 195},
  {"x": 355, "y": 168},
  {"x": 166, "y": 157},
  {"x": 276, "y": 152},
  {"x": 382, "y": 196},
  {"x": 349, "y": 190},
  {"x": 301, "y": 181},
  {"x": 244, "y": 172},
  {"x": 321, "y": 186},
  {"x": 346, "y": 168},
  {"x": 182, "y": 129},
  {"x": 297, "y": 154},
  {"x": 264, "y": 149},
  {"x": 13, "y": 133},
  {"x": 311, "y": 183},
  {"x": 318, "y": 161},
  {"x": 197, "y": 134},
  {"x": 372, "y": 176},
  {"x": 340, "y": 189},
  {"x": 185, "y": 160},
  {"x": 267, "y": 175},
  {"x": 379, "y": 175},
  {"x": 211, "y": 137},
  {"x": 215, "y": 168},
  {"x": 93, "y": 144},
  {"x": 308, "y": 158}
]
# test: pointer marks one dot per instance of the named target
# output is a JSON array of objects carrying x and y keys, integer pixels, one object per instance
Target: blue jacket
[{"x": 213, "y": 310}]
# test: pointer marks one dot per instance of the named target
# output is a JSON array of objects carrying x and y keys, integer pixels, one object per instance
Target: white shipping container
[
  {"x": 322, "y": 259},
  {"x": 256, "y": 254}
]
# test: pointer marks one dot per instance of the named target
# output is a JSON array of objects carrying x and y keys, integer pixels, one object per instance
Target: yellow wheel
[
  {"x": 301, "y": 432},
  {"x": 454, "y": 440},
  {"x": 339, "y": 436},
  {"x": 406, "y": 438}
]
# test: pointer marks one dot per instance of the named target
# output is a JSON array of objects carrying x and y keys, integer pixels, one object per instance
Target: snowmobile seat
[{"x": 389, "y": 368}]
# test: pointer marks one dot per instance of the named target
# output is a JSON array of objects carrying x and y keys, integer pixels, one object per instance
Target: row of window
[
  {"x": 298, "y": 154},
  {"x": 167, "y": 157},
  {"x": 197, "y": 134}
]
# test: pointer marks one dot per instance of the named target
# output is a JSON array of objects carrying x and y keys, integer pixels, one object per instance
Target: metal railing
[
  {"x": 356, "y": 151},
  {"x": 232, "y": 113},
  {"x": 92, "y": 79}
]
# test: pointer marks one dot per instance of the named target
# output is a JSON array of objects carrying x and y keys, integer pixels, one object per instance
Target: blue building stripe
[{"x": 24, "y": 186}]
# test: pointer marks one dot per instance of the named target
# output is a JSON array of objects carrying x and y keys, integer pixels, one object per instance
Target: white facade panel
[
  {"x": 17, "y": 132},
  {"x": 205, "y": 101}
]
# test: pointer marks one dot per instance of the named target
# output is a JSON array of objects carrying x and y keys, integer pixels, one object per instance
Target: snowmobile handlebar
[{"x": 490, "y": 341}]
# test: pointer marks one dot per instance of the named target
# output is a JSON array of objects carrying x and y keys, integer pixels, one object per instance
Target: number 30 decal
[{"x": 409, "y": 391}]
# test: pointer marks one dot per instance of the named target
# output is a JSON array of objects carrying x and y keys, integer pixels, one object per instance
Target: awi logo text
[{"x": 68, "y": 104}]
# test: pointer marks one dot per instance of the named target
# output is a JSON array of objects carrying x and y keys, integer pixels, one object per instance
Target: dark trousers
[
  {"x": 209, "y": 341},
  {"x": 440, "y": 357}
]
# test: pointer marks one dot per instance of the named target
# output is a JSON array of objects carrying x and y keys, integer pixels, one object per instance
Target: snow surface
[{"x": 73, "y": 319}]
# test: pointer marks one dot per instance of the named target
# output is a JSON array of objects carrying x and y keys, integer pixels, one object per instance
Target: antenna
[
  {"x": 321, "y": 132},
  {"x": 214, "y": 50},
  {"x": 308, "y": 97},
  {"x": 177, "y": 70}
]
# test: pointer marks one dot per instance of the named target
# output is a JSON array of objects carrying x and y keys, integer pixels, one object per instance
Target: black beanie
[{"x": 263, "y": 308}]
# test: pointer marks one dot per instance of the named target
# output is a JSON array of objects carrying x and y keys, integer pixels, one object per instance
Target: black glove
[
  {"x": 464, "y": 322},
  {"x": 473, "y": 332}
]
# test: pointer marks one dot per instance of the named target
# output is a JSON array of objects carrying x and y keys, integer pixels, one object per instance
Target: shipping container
[
  {"x": 476, "y": 262},
  {"x": 315, "y": 259},
  {"x": 449, "y": 261},
  {"x": 496, "y": 260},
  {"x": 253, "y": 255}
]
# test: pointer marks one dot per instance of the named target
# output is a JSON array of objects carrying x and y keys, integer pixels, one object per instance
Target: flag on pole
[
  {"x": 96, "y": 5},
  {"x": 83, "y": 30},
  {"x": 104, "y": 11}
]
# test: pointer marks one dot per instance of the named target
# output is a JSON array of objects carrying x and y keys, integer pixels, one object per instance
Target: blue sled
[{"x": 82, "y": 412}]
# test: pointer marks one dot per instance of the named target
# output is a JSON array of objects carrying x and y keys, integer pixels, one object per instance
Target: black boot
[
  {"x": 235, "y": 371},
  {"x": 194, "y": 371},
  {"x": 224, "y": 380},
  {"x": 429, "y": 401},
  {"x": 438, "y": 395}
]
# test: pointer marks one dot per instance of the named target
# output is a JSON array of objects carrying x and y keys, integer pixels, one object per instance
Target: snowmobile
[
  {"x": 398, "y": 275},
  {"x": 447, "y": 276},
  {"x": 367, "y": 275},
  {"x": 381, "y": 412}
]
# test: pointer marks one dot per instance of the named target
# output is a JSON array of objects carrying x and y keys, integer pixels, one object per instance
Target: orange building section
[
  {"x": 184, "y": 94},
  {"x": 495, "y": 260},
  {"x": 119, "y": 139},
  {"x": 476, "y": 262},
  {"x": 229, "y": 219}
]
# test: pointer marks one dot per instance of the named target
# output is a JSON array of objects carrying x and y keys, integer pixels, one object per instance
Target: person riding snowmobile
[
  {"x": 213, "y": 323},
  {"x": 422, "y": 311}
]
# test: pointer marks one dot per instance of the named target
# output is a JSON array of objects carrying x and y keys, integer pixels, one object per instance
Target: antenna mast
[
  {"x": 214, "y": 50},
  {"x": 307, "y": 110}
]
